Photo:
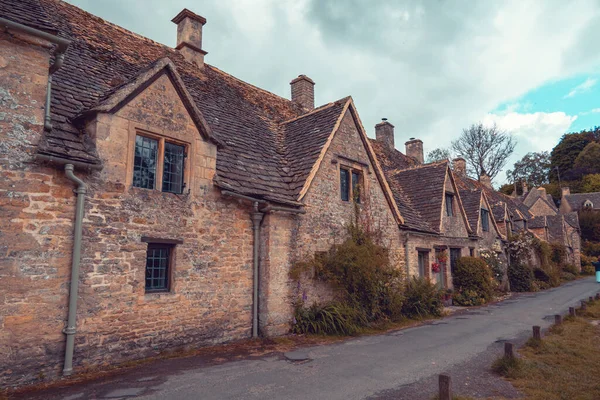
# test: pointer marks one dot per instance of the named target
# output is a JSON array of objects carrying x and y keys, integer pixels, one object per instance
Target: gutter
[
  {"x": 70, "y": 330},
  {"x": 64, "y": 161},
  {"x": 59, "y": 56},
  {"x": 257, "y": 216}
]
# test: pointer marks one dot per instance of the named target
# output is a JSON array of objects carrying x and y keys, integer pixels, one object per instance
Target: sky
[{"x": 431, "y": 68}]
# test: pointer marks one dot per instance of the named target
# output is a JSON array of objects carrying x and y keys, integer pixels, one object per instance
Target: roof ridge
[
  {"x": 316, "y": 110},
  {"x": 420, "y": 166}
]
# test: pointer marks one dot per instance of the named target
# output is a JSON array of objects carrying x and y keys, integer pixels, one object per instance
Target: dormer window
[
  {"x": 588, "y": 204},
  {"x": 485, "y": 220},
  {"x": 159, "y": 163},
  {"x": 449, "y": 204}
]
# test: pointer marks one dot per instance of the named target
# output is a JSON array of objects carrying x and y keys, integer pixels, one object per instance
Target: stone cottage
[{"x": 151, "y": 201}]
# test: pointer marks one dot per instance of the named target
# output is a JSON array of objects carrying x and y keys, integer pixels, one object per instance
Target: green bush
[
  {"x": 559, "y": 254},
  {"x": 422, "y": 299},
  {"x": 591, "y": 249},
  {"x": 472, "y": 281},
  {"x": 570, "y": 268},
  {"x": 567, "y": 276},
  {"x": 520, "y": 277},
  {"x": 588, "y": 270},
  {"x": 330, "y": 319}
]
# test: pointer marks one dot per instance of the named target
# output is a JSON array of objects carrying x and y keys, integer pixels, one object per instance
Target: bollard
[
  {"x": 508, "y": 350},
  {"x": 583, "y": 305},
  {"x": 557, "y": 319},
  {"x": 445, "y": 387},
  {"x": 572, "y": 311},
  {"x": 536, "y": 333}
]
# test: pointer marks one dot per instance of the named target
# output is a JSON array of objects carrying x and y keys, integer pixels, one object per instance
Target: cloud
[
  {"x": 581, "y": 88},
  {"x": 432, "y": 68}
]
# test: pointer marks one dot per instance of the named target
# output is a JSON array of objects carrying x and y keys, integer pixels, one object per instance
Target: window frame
[
  {"x": 450, "y": 204},
  {"x": 170, "y": 248},
  {"x": 485, "y": 220},
  {"x": 351, "y": 172},
  {"x": 159, "y": 171}
]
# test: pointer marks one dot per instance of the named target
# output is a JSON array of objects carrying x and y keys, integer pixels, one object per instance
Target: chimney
[
  {"x": 542, "y": 191},
  {"x": 303, "y": 92},
  {"x": 384, "y": 133},
  {"x": 459, "y": 166},
  {"x": 485, "y": 180},
  {"x": 189, "y": 36},
  {"x": 414, "y": 149},
  {"x": 524, "y": 187},
  {"x": 566, "y": 191}
]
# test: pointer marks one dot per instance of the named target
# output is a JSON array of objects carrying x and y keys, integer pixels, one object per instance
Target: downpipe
[
  {"x": 70, "y": 329},
  {"x": 257, "y": 218}
]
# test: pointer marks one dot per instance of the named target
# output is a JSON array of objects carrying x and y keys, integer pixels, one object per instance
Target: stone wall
[
  {"x": 324, "y": 224},
  {"x": 210, "y": 298}
]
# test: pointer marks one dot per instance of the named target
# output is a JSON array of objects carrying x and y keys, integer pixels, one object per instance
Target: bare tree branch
[{"x": 486, "y": 149}]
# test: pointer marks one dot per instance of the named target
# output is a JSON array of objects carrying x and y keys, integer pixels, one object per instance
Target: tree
[
  {"x": 438, "y": 154},
  {"x": 590, "y": 183},
  {"x": 565, "y": 153},
  {"x": 589, "y": 158},
  {"x": 486, "y": 148},
  {"x": 533, "y": 168}
]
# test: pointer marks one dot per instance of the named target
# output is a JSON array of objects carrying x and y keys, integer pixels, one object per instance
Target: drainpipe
[
  {"x": 257, "y": 218},
  {"x": 72, "y": 313},
  {"x": 59, "y": 55},
  {"x": 406, "y": 255}
]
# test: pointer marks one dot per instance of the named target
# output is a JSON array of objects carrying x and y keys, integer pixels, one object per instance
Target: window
[
  {"x": 144, "y": 166},
  {"x": 454, "y": 256},
  {"x": 423, "y": 263},
  {"x": 153, "y": 156},
  {"x": 449, "y": 204},
  {"x": 471, "y": 251},
  {"x": 345, "y": 184},
  {"x": 350, "y": 184},
  {"x": 173, "y": 168},
  {"x": 485, "y": 220},
  {"x": 158, "y": 260}
]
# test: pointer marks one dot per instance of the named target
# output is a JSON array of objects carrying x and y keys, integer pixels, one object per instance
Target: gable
[
  {"x": 348, "y": 143},
  {"x": 541, "y": 207},
  {"x": 457, "y": 225}
]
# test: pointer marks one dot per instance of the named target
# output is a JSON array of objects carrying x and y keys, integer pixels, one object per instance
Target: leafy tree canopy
[
  {"x": 565, "y": 153},
  {"x": 533, "y": 168}
]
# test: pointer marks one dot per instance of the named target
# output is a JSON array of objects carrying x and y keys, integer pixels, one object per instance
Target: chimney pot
[
  {"x": 303, "y": 92},
  {"x": 384, "y": 133},
  {"x": 524, "y": 187},
  {"x": 189, "y": 36},
  {"x": 459, "y": 165},
  {"x": 414, "y": 149}
]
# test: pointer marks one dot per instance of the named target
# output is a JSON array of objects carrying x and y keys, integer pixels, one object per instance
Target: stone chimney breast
[
  {"x": 303, "y": 92},
  {"x": 414, "y": 149},
  {"x": 459, "y": 166},
  {"x": 485, "y": 180},
  {"x": 384, "y": 133},
  {"x": 189, "y": 36},
  {"x": 566, "y": 191}
]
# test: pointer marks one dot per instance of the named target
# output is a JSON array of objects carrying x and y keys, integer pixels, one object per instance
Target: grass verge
[{"x": 564, "y": 365}]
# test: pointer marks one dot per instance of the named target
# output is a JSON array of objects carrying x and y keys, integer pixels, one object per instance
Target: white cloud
[{"x": 582, "y": 88}]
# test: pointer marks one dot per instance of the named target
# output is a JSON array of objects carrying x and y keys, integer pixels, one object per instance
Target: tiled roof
[
  {"x": 537, "y": 222},
  {"x": 27, "y": 12},
  {"x": 391, "y": 159},
  {"x": 262, "y": 154},
  {"x": 576, "y": 200},
  {"x": 423, "y": 186},
  {"x": 471, "y": 200},
  {"x": 572, "y": 219}
]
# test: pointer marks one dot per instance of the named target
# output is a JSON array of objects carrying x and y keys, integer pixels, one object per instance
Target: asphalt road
[{"x": 358, "y": 368}]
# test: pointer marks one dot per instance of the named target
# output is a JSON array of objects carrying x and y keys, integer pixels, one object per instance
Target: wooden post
[
  {"x": 597, "y": 296},
  {"x": 557, "y": 319},
  {"x": 583, "y": 305},
  {"x": 445, "y": 387},
  {"x": 572, "y": 311},
  {"x": 536, "y": 333},
  {"x": 508, "y": 350}
]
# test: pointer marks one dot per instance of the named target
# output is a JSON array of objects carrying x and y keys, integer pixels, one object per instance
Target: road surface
[{"x": 354, "y": 369}]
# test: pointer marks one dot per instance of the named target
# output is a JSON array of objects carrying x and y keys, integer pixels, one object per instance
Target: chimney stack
[
  {"x": 303, "y": 92},
  {"x": 459, "y": 166},
  {"x": 384, "y": 133},
  {"x": 566, "y": 191},
  {"x": 414, "y": 149},
  {"x": 485, "y": 180},
  {"x": 189, "y": 36},
  {"x": 524, "y": 187}
]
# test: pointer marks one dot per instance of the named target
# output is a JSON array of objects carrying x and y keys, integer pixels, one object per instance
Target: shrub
[
  {"x": 541, "y": 275},
  {"x": 472, "y": 279},
  {"x": 508, "y": 367},
  {"x": 588, "y": 270},
  {"x": 592, "y": 249},
  {"x": 521, "y": 277},
  {"x": 570, "y": 268},
  {"x": 559, "y": 254},
  {"x": 567, "y": 276},
  {"x": 422, "y": 299},
  {"x": 330, "y": 319}
]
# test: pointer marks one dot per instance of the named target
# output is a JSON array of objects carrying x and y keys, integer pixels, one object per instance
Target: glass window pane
[
  {"x": 449, "y": 205},
  {"x": 157, "y": 268},
  {"x": 144, "y": 171},
  {"x": 356, "y": 186},
  {"x": 345, "y": 184},
  {"x": 173, "y": 168}
]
